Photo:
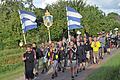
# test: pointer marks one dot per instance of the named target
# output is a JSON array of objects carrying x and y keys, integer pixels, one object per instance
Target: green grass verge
[
  {"x": 10, "y": 52},
  {"x": 110, "y": 70},
  {"x": 11, "y": 65},
  {"x": 13, "y": 75}
]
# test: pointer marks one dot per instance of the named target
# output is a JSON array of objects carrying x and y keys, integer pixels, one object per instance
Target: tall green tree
[{"x": 93, "y": 20}]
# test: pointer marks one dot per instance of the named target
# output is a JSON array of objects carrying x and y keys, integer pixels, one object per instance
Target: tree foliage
[{"x": 94, "y": 20}]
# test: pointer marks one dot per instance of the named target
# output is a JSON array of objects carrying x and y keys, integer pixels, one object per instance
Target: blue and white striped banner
[
  {"x": 73, "y": 18},
  {"x": 27, "y": 20}
]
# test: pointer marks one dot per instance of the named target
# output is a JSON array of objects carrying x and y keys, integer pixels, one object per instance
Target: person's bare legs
[
  {"x": 72, "y": 72},
  {"x": 83, "y": 65},
  {"x": 94, "y": 58},
  {"x": 75, "y": 70}
]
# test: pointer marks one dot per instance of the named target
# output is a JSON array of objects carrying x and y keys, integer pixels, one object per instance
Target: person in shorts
[
  {"x": 102, "y": 47},
  {"x": 79, "y": 53},
  {"x": 91, "y": 49},
  {"x": 87, "y": 50},
  {"x": 118, "y": 41},
  {"x": 72, "y": 59},
  {"x": 45, "y": 59},
  {"x": 108, "y": 43},
  {"x": 83, "y": 55},
  {"x": 61, "y": 57},
  {"x": 95, "y": 45},
  {"x": 54, "y": 62}
]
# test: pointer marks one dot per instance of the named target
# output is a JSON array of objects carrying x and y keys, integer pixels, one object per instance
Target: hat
[
  {"x": 78, "y": 32},
  {"x": 116, "y": 29},
  {"x": 103, "y": 32},
  {"x": 98, "y": 33}
]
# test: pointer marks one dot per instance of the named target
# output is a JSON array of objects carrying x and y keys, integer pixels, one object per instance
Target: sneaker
[
  {"x": 34, "y": 78},
  {"x": 52, "y": 76},
  {"x": 72, "y": 77},
  {"x": 77, "y": 71},
  {"x": 56, "y": 74},
  {"x": 42, "y": 72},
  {"x": 80, "y": 70},
  {"x": 101, "y": 57},
  {"x": 63, "y": 70},
  {"x": 36, "y": 74},
  {"x": 59, "y": 69},
  {"x": 76, "y": 75},
  {"x": 84, "y": 68}
]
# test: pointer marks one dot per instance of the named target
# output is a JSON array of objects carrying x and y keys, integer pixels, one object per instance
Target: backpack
[{"x": 39, "y": 53}]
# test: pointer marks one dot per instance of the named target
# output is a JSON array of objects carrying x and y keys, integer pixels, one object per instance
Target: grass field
[
  {"x": 11, "y": 65},
  {"x": 110, "y": 70}
]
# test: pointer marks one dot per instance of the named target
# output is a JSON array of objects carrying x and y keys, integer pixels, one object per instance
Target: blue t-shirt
[{"x": 102, "y": 41}]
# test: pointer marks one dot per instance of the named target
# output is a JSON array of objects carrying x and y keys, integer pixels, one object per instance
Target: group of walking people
[{"x": 75, "y": 54}]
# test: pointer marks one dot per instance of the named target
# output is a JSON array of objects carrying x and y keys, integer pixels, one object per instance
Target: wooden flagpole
[
  {"x": 68, "y": 28},
  {"x": 24, "y": 37}
]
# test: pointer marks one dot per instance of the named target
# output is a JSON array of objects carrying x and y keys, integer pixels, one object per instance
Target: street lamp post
[{"x": 48, "y": 21}]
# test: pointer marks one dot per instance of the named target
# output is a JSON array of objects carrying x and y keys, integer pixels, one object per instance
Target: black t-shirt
[
  {"x": 79, "y": 51},
  {"x": 39, "y": 53},
  {"x": 29, "y": 62},
  {"x": 87, "y": 46},
  {"x": 74, "y": 55},
  {"x": 118, "y": 38}
]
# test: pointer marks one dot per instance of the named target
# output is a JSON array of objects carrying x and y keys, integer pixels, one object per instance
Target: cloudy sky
[{"x": 106, "y": 5}]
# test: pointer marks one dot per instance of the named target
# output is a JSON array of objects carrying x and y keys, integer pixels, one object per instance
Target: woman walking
[{"x": 95, "y": 45}]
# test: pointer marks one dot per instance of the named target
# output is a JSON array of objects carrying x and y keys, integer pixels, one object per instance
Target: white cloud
[
  {"x": 43, "y": 3},
  {"x": 50, "y": 1},
  {"x": 108, "y": 4},
  {"x": 111, "y": 10},
  {"x": 39, "y": 3},
  {"x": 105, "y": 5},
  {"x": 119, "y": 4}
]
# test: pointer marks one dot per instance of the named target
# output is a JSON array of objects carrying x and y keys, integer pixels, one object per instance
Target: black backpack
[{"x": 39, "y": 53}]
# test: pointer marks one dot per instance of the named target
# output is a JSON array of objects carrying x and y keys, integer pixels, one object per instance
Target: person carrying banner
[{"x": 28, "y": 58}]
